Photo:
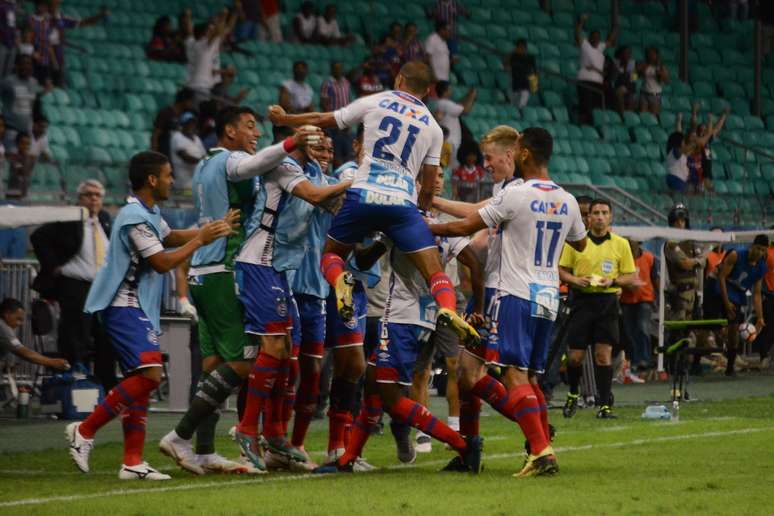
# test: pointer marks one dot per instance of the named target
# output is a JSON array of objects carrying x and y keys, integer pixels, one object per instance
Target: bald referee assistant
[{"x": 597, "y": 275}]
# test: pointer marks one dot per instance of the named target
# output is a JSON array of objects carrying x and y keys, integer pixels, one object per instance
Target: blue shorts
[
  {"x": 265, "y": 295},
  {"x": 486, "y": 351},
  {"x": 397, "y": 353},
  {"x": 132, "y": 336},
  {"x": 312, "y": 325},
  {"x": 340, "y": 334},
  {"x": 519, "y": 336},
  {"x": 361, "y": 215}
]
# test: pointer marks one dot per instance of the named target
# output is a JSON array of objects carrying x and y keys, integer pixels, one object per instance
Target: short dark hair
[
  {"x": 761, "y": 240},
  {"x": 298, "y": 63},
  {"x": 521, "y": 41},
  {"x": 417, "y": 75},
  {"x": 603, "y": 202},
  {"x": 280, "y": 132},
  {"x": 539, "y": 142},
  {"x": 144, "y": 164},
  {"x": 441, "y": 87},
  {"x": 230, "y": 115},
  {"x": 440, "y": 25},
  {"x": 184, "y": 94},
  {"x": 40, "y": 117},
  {"x": 9, "y": 305},
  {"x": 584, "y": 199},
  {"x": 21, "y": 135}
]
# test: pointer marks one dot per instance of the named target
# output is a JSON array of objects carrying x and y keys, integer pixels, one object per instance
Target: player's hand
[
  {"x": 277, "y": 115},
  {"x": 307, "y": 136},
  {"x": 213, "y": 231},
  {"x": 60, "y": 364},
  {"x": 333, "y": 204},
  {"x": 605, "y": 282},
  {"x": 187, "y": 309},
  {"x": 582, "y": 282},
  {"x": 476, "y": 319},
  {"x": 232, "y": 219}
]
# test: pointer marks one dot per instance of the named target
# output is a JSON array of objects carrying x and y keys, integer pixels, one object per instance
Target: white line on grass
[{"x": 290, "y": 478}]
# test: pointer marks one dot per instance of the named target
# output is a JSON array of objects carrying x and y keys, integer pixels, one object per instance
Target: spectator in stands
[
  {"x": 466, "y": 178},
  {"x": 706, "y": 150},
  {"x": 448, "y": 113},
  {"x": 447, "y": 12},
  {"x": 9, "y": 31},
  {"x": 26, "y": 45},
  {"x": 622, "y": 80},
  {"x": 522, "y": 66},
  {"x": 167, "y": 119},
  {"x": 58, "y": 25},
  {"x": 203, "y": 53},
  {"x": 305, "y": 24},
  {"x": 296, "y": 94},
  {"x": 368, "y": 83},
  {"x": 20, "y": 166},
  {"x": 40, "y": 24},
  {"x": 678, "y": 148},
  {"x": 12, "y": 316},
  {"x": 163, "y": 46},
  {"x": 271, "y": 29},
  {"x": 328, "y": 31},
  {"x": 39, "y": 148},
  {"x": 410, "y": 46},
  {"x": 19, "y": 92},
  {"x": 591, "y": 68},
  {"x": 186, "y": 150},
  {"x": 335, "y": 94},
  {"x": 637, "y": 307},
  {"x": 222, "y": 90},
  {"x": 386, "y": 56},
  {"x": 70, "y": 254},
  {"x": 653, "y": 74},
  {"x": 437, "y": 50}
]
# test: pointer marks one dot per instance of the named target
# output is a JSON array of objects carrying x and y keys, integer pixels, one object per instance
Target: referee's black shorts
[{"x": 594, "y": 320}]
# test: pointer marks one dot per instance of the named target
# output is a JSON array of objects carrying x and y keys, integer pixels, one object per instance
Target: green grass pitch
[{"x": 718, "y": 459}]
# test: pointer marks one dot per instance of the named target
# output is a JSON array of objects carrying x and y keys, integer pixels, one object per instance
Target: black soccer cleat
[
  {"x": 605, "y": 413},
  {"x": 456, "y": 465},
  {"x": 570, "y": 406},
  {"x": 472, "y": 456}
]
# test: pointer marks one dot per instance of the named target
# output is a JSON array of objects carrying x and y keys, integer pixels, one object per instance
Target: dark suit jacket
[{"x": 55, "y": 244}]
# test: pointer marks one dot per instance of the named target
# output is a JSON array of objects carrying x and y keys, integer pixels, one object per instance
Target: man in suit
[{"x": 70, "y": 253}]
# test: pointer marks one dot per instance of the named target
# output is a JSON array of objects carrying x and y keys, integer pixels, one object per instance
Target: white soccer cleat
[
  {"x": 251, "y": 469},
  {"x": 141, "y": 472},
  {"x": 80, "y": 447},
  {"x": 214, "y": 463},
  {"x": 181, "y": 451},
  {"x": 424, "y": 444},
  {"x": 334, "y": 455},
  {"x": 361, "y": 466}
]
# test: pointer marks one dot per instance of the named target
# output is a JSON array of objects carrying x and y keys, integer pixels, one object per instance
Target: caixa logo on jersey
[{"x": 549, "y": 208}]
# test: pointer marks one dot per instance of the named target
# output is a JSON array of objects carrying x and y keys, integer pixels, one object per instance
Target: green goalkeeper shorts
[{"x": 221, "y": 330}]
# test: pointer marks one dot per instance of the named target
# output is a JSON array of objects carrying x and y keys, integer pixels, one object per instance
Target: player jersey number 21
[{"x": 394, "y": 128}]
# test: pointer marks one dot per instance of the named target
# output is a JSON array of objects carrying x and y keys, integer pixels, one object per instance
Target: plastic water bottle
[
  {"x": 23, "y": 403},
  {"x": 656, "y": 412},
  {"x": 675, "y": 411}
]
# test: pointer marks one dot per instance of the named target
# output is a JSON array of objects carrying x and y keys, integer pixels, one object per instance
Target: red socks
[
  {"x": 338, "y": 423},
  {"x": 306, "y": 399},
  {"x": 259, "y": 388},
  {"x": 331, "y": 266},
  {"x": 416, "y": 415},
  {"x": 443, "y": 291},
  {"x": 366, "y": 422},
  {"x": 543, "y": 410},
  {"x": 133, "y": 420},
  {"x": 129, "y": 392},
  {"x": 470, "y": 410},
  {"x": 273, "y": 410},
  {"x": 520, "y": 405},
  {"x": 290, "y": 395}
]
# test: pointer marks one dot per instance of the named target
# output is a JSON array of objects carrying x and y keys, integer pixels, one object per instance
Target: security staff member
[
  {"x": 597, "y": 275},
  {"x": 683, "y": 262}
]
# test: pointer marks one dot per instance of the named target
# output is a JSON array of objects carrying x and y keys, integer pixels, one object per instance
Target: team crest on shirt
[{"x": 607, "y": 266}]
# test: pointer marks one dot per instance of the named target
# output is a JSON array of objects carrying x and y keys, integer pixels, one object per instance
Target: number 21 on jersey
[{"x": 393, "y": 126}]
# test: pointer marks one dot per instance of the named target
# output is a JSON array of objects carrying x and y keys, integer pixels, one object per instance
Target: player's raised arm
[
  {"x": 459, "y": 209},
  {"x": 278, "y": 116},
  {"x": 462, "y": 227},
  {"x": 267, "y": 159}
]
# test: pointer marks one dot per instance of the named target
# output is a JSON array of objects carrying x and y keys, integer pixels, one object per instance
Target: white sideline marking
[{"x": 308, "y": 476}]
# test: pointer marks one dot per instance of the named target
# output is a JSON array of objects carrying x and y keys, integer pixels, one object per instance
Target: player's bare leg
[{"x": 334, "y": 270}]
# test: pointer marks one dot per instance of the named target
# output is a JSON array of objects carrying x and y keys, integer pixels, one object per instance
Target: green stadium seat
[
  {"x": 631, "y": 119},
  {"x": 732, "y": 90},
  {"x": 753, "y": 123}
]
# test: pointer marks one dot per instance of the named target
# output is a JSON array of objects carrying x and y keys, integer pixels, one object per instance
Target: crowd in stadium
[{"x": 253, "y": 274}]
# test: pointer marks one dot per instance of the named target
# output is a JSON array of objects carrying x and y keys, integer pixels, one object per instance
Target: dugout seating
[{"x": 106, "y": 114}]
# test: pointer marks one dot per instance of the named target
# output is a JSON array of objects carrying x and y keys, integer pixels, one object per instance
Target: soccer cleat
[
  {"x": 472, "y": 456},
  {"x": 570, "y": 406},
  {"x": 467, "y": 334},
  {"x": 605, "y": 413},
  {"x": 80, "y": 447},
  {"x": 276, "y": 461},
  {"x": 249, "y": 446},
  {"x": 251, "y": 470},
  {"x": 456, "y": 465},
  {"x": 407, "y": 454},
  {"x": 424, "y": 444},
  {"x": 551, "y": 435},
  {"x": 333, "y": 455},
  {"x": 214, "y": 463},
  {"x": 344, "y": 285},
  {"x": 361, "y": 466},
  {"x": 280, "y": 445},
  {"x": 333, "y": 467},
  {"x": 181, "y": 452},
  {"x": 141, "y": 472},
  {"x": 543, "y": 464}
]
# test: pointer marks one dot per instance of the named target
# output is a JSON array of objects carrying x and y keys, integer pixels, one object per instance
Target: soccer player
[
  {"x": 264, "y": 292},
  {"x": 597, "y": 274},
  {"x": 127, "y": 295},
  {"x": 534, "y": 220},
  {"x": 402, "y": 143},
  {"x": 408, "y": 321},
  {"x": 223, "y": 180}
]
